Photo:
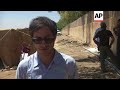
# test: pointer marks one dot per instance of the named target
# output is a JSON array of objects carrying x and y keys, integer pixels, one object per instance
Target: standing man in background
[
  {"x": 116, "y": 31},
  {"x": 104, "y": 45},
  {"x": 97, "y": 30}
]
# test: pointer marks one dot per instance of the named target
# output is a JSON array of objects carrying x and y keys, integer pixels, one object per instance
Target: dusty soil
[{"x": 87, "y": 63}]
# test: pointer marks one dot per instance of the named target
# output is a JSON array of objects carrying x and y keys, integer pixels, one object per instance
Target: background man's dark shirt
[{"x": 104, "y": 36}]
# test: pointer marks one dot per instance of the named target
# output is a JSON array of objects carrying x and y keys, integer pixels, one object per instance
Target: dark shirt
[
  {"x": 117, "y": 31},
  {"x": 104, "y": 36}
]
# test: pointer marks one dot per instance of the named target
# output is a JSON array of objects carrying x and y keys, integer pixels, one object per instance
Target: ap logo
[{"x": 98, "y": 16}]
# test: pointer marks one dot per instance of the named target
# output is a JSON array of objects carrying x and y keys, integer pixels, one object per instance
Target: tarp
[{"x": 10, "y": 41}]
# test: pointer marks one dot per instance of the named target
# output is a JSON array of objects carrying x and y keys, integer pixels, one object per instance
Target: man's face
[{"x": 43, "y": 40}]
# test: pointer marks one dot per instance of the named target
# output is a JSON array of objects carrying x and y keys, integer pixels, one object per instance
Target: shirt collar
[
  {"x": 35, "y": 59},
  {"x": 56, "y": 59}
]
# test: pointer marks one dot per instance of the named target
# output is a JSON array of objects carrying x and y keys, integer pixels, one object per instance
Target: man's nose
[{"x": 43, "y": 42}]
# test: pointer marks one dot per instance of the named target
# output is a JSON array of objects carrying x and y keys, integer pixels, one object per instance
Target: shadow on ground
[
  {"x": 89, "y": 68},
  {"x": 88, "y": 59}
]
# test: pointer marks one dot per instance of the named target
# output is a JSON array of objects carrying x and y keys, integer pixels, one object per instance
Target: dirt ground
[{"x": 87, "y": 63}]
